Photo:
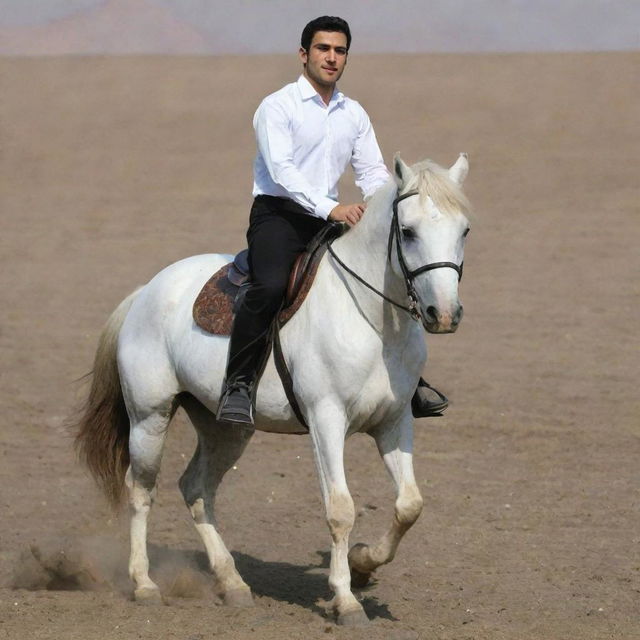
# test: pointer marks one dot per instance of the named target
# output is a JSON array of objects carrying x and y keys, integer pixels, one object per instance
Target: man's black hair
[{"x": 324, "y": 23}]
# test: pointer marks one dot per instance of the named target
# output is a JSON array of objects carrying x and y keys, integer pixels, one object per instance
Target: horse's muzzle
[{"x": 435, "y": 320}]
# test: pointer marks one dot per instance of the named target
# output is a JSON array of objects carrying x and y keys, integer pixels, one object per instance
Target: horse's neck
[
  {"x": 364, "y": 250},
  {"x": 370, "y": 232},
  {"x": 364, "y": 247}
]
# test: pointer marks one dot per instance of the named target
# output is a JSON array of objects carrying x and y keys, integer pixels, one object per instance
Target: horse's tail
[{"x": 102, "y": 429}]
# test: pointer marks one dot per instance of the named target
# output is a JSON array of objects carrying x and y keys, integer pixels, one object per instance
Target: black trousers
[{"x": 279, "y": 229}]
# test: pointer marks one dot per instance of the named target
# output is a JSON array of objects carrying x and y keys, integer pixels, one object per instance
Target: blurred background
[{"x": 55, "y": 27}]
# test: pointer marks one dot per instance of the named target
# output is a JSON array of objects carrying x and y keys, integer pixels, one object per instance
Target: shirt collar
[{"x": 307, "y": 92}]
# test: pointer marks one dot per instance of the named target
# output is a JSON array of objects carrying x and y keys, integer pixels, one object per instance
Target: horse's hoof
[
  {"x": 360, "y": 565},
  {"x": 238, "y": 598},
  {"x": 359, "y": 580},
  {"x": 353, "y": 618},
  {"x": 359, "y": 556},
  {"x": 148, "y": 595}
]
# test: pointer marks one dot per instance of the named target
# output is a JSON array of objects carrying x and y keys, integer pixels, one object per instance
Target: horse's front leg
[
  {"x": 395, "y": 445},
  {"x": 328, "y": 428}
]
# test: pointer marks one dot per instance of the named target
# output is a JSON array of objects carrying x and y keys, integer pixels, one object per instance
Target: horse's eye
[
  {"x": 408, "y": 233},
  {"x": 466, "y": 232}
]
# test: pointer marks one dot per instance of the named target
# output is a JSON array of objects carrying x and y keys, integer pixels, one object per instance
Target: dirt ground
[{"x": 112, "y": 168}]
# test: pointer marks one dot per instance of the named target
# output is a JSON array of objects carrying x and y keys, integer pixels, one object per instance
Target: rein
[
  {"x": 366, "y": 284},
  {"x": 409, "y": 276}
]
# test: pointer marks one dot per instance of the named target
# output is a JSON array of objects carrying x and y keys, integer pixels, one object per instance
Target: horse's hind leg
[
  {"x": 219, "y": 447},
  {"x": 146, "y": 442},
  {"x": 395, "y": 446}
]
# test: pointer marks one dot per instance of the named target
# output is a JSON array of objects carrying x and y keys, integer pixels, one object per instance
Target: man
[{"x": 306, "y": 135}]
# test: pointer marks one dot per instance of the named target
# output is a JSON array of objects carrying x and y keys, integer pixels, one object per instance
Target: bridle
[{"x": 413, "y": 308}]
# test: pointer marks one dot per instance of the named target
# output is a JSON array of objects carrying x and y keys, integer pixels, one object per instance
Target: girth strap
[
  {"x": 285, "y": 375},
  {"x": 315, "y": 250}
]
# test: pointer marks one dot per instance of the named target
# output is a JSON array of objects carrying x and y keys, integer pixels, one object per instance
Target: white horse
[{"x": 355, "y": 358}]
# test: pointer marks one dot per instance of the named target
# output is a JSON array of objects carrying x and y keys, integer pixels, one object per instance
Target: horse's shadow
[{"x": 302, "y": 585}]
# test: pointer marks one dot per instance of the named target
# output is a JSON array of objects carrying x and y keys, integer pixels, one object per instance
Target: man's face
[{"x": 326, "y": 58}]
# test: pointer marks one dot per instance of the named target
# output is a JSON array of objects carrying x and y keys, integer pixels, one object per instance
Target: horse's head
[{"x": 427, "y": 245}]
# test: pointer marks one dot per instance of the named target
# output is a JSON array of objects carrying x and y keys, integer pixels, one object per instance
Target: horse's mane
[{"x": 433, "y": 180}]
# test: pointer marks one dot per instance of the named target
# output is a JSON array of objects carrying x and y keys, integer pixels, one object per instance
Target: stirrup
[
  {"x": 236, "y": 404},
  {"x": 422, "y": 407}
]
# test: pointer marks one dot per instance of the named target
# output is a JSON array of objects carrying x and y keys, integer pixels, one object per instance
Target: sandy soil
[{"x": 112, "y": 168}]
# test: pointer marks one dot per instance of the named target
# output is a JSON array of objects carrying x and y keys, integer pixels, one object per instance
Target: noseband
[{"x": 409, "y": 276}]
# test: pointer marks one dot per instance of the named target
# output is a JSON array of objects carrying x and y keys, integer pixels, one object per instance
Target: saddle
[{"x": 216, "y": 303}]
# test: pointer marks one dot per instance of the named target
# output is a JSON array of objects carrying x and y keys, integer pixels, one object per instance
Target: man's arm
[
  {"x": 276, "y": 148},
  {"x": 366, "y": 160}
]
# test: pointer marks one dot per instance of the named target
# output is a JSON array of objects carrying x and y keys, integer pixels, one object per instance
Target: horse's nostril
[
  {"x": 458, "y": 316},
  {"x": 432, "y": 314}
]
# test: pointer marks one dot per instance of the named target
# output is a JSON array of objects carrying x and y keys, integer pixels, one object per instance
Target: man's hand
[{"x": 349, "y": 213}]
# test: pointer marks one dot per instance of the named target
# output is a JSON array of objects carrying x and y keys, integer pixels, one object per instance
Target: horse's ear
[
  {"x": 401, "y": 171},
  {"x": 460, "y": 169}
]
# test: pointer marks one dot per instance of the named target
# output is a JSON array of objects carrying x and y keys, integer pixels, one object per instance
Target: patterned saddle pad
[{"x": 214, "y": 307}]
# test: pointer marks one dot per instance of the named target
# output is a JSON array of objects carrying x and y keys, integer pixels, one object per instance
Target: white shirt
[{"x": 304, "y": 147}]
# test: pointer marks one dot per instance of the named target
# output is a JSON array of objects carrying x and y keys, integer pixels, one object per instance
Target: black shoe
[
  {"x": 236, "y": 405},
  {"x": 427, "y": 401}
]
